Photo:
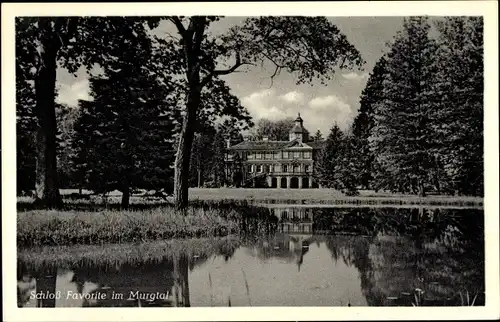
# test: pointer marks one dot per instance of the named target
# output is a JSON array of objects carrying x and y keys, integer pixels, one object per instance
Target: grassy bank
[
  {"x": 267, "y": 196},
  {"x": 45, "y": 227},
  {"x": 328, "y": 197},
  {"x": 131, "y": 254}
]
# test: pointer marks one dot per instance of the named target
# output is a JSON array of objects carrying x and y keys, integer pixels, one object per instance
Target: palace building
[{"x": 276, "y": 164}]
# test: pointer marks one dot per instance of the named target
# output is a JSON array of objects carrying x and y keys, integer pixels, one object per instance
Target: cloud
[
  {"x": 318, "y": 113},
  {"x": 324, "y": 102},
  {"x": 70, "y": 93},
  {"x": 333, "y": 109},
  {"x": 292, "y": 97},
  {"x": 355, "y": 76},
  {"x": 263, "y": 104}
]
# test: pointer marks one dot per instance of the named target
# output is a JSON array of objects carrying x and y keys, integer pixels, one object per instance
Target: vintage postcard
[{"x": 250, "y": 161}]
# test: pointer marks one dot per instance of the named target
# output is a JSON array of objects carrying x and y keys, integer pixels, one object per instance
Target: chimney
[
  {"x": 228, "y": 143},
  {"x": 265, "y": 138}
]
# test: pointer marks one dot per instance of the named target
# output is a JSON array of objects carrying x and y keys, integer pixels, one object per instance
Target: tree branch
[
  {"x": 237, "y": 64},
  {"x": 65, "y": 28},
  {"x": 178, "y": 24},
  {"x": 218, "y": 72}
]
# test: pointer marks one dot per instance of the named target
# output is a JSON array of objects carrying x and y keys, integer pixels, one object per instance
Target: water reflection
[{"x": 314, "y": 257}]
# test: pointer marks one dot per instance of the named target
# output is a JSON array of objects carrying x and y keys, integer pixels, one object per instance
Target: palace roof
[{"x": 274, "y": 145}]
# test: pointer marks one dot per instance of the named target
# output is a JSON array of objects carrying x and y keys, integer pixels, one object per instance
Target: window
[
  {"x": 285, "y": 168},
  {"x": 269, "y": 155},
  {"x": 307, "y": 154},
  {"x": 276, "y": 155},
  {"x": 308, "y": 168},
  {"x": 285, "y": 154},
  {"x": 296, "y": 155},
  {"x": 296, "y": 168},
  {"x": 258, "y": 155},
  {"x": 259, "y": 168},
  {"x": 251, "y": 155}
]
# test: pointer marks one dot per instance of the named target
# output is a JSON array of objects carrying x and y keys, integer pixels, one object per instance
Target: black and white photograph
[{"x": 251, "y": 160}]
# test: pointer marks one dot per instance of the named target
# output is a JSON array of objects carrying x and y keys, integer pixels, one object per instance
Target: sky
[{"x": 320, "y": 106}]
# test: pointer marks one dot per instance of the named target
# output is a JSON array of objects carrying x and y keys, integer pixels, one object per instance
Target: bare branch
[
  {"x": 232, "y": 69},
  {"x": 171, "y": 36},
  {"x": 228, "y": 71},
  {"x": 276, "y": 71}
]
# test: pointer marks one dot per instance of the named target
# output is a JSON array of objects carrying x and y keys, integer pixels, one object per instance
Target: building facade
[{"x": 279, "y": 164}]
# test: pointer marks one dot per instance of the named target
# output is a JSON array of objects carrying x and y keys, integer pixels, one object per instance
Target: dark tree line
[
  {"x": 420, "y": 123},
  {"x": 208, "y": 165}
]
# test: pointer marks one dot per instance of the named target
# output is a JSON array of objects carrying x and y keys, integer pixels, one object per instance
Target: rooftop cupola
[
  {"x": 298, "y": 120},
  {"x": 298, "y": 132}
]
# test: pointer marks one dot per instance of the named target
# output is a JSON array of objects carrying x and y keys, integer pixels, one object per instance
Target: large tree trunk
[
  {"x": 192, "y": 39},
  {"x": 125, "y": 196},
  {"x": 183, "y": 156},
  {"x": 46, "y": 185},
  {"x": 421, "y": 188}
]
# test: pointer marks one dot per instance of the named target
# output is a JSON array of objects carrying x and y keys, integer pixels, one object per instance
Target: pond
[{"x": 313, "y": 257}]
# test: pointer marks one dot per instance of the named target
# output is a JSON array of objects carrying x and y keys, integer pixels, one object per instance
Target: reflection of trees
[
  {"x": 393, "y": 267},
  {"x": 440, "y": 252},
  {"x": 42, "y": 281},
  {"x": 354, "y": 251},
  {"x": 291, "y": 248},
  {"x": 169, "y": 274}
]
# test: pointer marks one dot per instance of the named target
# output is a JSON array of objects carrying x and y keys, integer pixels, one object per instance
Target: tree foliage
[
  {"x": 459, "y": 117},
  {"x": 401, "y": 135},
  {"x": 126, "y": 133},
  {"x": 371, "y": 96},
  {"x": 318, "y": 136},
  {"x": 422, "y": 111},
  {"x": 273, "y": 130},
  {"x": 335, "y": 167}
]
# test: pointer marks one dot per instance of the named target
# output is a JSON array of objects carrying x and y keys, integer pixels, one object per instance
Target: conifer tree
[
  {"x": 364, "y": 121},
  {"x": 318, "y": 136},
  {"x": 330, "y": 155},
  {"x": 128, "y": 129},
  {"x": 459, "y": 93},
  {"x": 402, "y": 135}
]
